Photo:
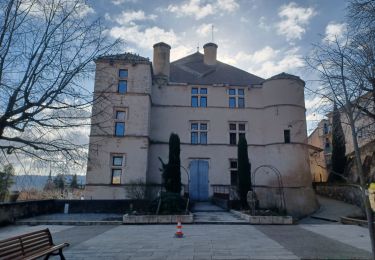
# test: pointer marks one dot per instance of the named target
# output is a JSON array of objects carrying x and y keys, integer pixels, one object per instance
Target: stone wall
[
  {"x": 10, "y": 212},
  {"x": 344, "y": 192}
]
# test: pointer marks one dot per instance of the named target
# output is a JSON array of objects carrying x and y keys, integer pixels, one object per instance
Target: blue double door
[{"x": 198, "y": 185}]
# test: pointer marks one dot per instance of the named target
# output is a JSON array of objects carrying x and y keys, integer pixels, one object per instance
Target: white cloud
[
  {"x": 120, "y": 2},
  {"x": 265, "y": 62},
  {"x": 200, "y": 9},
  {"x": 294, "y": 20},
  {"x": 143, "y": 38},
  {"x": 334, "y": 31},
  {"x": 205, "y": 29},
  {"x": 127, "y": 17}
]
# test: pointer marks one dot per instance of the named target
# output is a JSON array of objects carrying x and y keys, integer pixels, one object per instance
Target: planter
[
  {"x": 156, "y": 219},
  {"x": 264, "y": 220}
]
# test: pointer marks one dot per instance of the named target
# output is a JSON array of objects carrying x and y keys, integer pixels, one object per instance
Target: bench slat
[
  {"x": 47, "y": 251},
  {"x": 29, "y": 246}
]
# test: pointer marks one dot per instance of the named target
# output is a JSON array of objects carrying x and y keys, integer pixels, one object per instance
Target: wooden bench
[{"x": 30, "y": 246}]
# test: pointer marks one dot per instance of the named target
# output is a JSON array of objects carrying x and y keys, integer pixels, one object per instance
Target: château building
[{"x": 209, "y": 104}]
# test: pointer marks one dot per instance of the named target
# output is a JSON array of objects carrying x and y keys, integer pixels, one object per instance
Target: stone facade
[{"x": 159, "y": 100}]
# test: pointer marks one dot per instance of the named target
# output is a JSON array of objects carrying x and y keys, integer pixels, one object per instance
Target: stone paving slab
[
  {"x": 315, "y": 245},
  {"x": 348, "y": 234}
]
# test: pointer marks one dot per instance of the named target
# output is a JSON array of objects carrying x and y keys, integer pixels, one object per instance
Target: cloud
[
  {"x": 143, "y": 38},
  {"x": 334, "y": 31},
  {"x": 127, "y": 17},
  {"x": 200, "y": 9},
  {"x": 267, "y": 61},
  {"x": 294, "y": 20},
  {"x": 205, "y": 29},
  {"x": 120, "y": 2}
]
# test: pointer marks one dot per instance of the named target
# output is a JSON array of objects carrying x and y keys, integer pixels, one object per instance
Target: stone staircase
[{"x": 207, "y": 213}]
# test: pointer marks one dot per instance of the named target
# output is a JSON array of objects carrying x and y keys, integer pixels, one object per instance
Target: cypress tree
[
  {"x": 172, "y": 171},
  {"x": 338, "y": 159},
  {"x": 244, "y": 169}
]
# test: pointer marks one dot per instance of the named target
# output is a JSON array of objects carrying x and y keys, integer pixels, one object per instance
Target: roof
[
  {"x": 127, "y": 56},
  {"x": 284, "y": 75},
  {"x": 192, "y": 70}
]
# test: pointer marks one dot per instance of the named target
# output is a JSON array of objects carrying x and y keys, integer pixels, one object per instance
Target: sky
[{"x": 263, "y": 37}]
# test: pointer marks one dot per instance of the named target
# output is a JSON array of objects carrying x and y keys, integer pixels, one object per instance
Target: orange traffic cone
[{"x": 179, "y": 233}]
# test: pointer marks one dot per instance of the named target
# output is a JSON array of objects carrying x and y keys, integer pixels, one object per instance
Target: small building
[
  {"x": 321, "y": 139},
  {"x": 209, "y": 104}
]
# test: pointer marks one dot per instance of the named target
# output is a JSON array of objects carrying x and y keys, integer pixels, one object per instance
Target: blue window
[
  {"x": 236, "y": 97},
  {"x": 232, "y": 102},
  {"x": 122, "y": 86},
  {"x": 203, "y": 138},
  {"x": 199, "y": 97},
  {"x": 241, "y": 102},
  {"x": 122, "y": 73},
  {"x": 194, "y": 137},
  {"x": 116, "y": 176},
  {"x": 198, "y": 133},
  {"x": 203, "y": 101},
  {"x": 119, "y": 129},
  {"x": 194, "y": 101}
]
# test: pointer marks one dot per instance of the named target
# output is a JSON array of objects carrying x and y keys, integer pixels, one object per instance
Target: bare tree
[
  {"x": 333, "y": 62},
  {"x": 47, "y": 48},
  {"x": 361, "y": 24}
]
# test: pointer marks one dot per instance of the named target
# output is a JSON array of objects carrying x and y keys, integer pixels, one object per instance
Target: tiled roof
[
  {"x": 284, "y": 75},
  {"x": 192, "y": 70},
  {"x": 127, "y": 56}
]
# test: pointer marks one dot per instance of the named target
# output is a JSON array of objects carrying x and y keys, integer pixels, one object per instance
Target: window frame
[
  {"x": 117, "y": 168},
  {"x": 122, "y": 79},
  {"x": 234, "y": 130},
  {"x": 199, "y": 94},
  {"x": 235, "y": 99},
  {"x": 287, "y": 136},
  {"x": 197, "y": 132},
  {"x": 118, "y": 121}
]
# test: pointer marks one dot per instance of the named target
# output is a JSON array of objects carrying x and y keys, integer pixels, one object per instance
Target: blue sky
[{"x": 263, "y": 37}]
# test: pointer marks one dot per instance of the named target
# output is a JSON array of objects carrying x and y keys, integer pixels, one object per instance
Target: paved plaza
[{"x": 304, "y": 241}]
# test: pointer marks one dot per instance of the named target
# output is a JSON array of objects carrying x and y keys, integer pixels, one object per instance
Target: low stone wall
[
  {"x": 344, "y": 192},
  {"x": 11, "y": 211}
]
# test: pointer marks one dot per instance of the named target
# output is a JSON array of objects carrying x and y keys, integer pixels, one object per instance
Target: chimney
[
  {"x": 210, "y": 50},
  {"x": 161, "y": 60}
]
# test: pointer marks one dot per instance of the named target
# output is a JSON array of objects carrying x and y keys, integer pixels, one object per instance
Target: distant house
[
  {"x": 321, "y": 137},
  {"x": 209, "y": 104}
]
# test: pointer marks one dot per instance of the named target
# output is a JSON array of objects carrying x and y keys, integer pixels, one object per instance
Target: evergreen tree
[
  {"x": 338, "y": 159},
  {"x": 244, "y": 169},
  {"x": 74, "y": 182},
  {"x": 6, "y": 180},
  {"x": 59, "y": 181},
  {"x": 172, "y": 171}
]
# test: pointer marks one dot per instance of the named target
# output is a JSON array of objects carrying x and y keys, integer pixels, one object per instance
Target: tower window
[
  {"x": 287, "y": 136},
  {"x": 117, "y": 165},
  {"x": 122, "y": 86},
  {"x": 120, "y": 116}
]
